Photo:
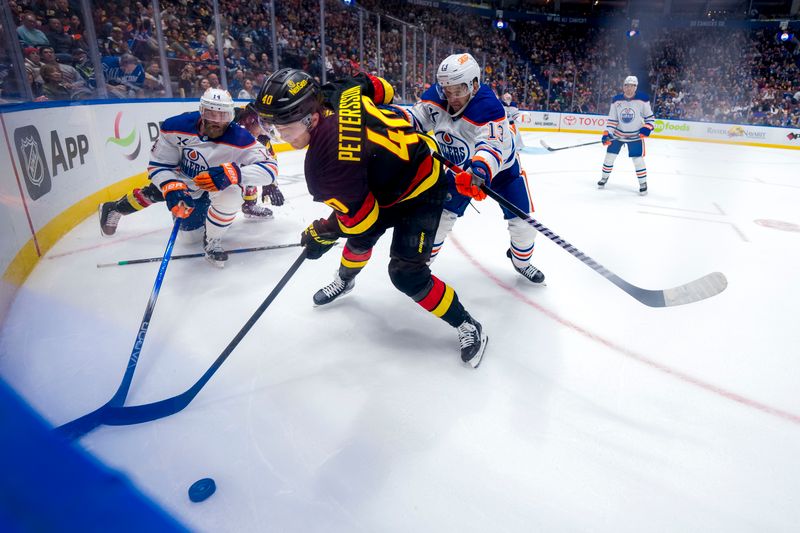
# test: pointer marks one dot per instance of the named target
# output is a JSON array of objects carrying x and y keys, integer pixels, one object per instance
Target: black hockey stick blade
[
  {"x": 699, "y": 289},
  {"x": 138, "y": 414},
  {"x": 551, "y": 149},
  {"x": 201, "y": 254}
]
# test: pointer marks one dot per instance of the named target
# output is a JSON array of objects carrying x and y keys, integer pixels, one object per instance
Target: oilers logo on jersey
[
  {"x": 452, "y": 147},
  {"x": 626, "y": 115},
  {"x": 192, "y": 163}
]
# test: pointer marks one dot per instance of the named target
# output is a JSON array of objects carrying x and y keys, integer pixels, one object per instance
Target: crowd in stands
[{"x": 546, "y": 66}]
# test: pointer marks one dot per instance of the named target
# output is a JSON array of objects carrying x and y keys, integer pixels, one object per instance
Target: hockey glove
[
  {"x": 469, "y": 184},
  {"x": 607, "y": 139},
  {"x": 645, "y": 132},
  {"x": 273, "y": 193},
  {"x": 218, "y": 178},
  {"x": 318, "y": 238},
  {"x": 179, "y": 201}
]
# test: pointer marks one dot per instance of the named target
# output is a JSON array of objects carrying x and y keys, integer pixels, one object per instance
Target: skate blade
[
  {"x": 345, "y": 293},
  {"x": 475, "y": 362},
  {"x": 100, "y": 218},
  {"x": 218, "y": 264}
]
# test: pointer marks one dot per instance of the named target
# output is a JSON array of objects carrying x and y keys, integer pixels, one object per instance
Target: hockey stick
[
  {"x": 137, "y": 414},
  {"x": 201, "y": 254},
  {"x": 86, "y": 423},
  {"x": 699, "y": 289},
  {"x": 551, "y": 149}
]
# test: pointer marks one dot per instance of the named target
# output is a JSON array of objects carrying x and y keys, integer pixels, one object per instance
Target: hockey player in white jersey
[
  {"x": 630, "y": 120},
  {"x": 140, "y": 198},
  {"x": 472, "y": 131},
  {"x": 512, "y": 112},
  {"x": 201, "y": 161}
]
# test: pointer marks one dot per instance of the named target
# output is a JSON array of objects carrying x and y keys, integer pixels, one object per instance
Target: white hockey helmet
[
  {"x": 631, "y": 80},
  {"x": 457, "y": 69},
  {"x": 216, "y": 105},
  {"x": 507, "y": 98}
]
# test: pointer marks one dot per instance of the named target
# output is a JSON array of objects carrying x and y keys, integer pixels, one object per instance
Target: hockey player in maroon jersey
[{"x": 375, "y": 172}]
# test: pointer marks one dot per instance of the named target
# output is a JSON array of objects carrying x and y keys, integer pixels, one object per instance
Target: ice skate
[
  {"x": 643, "y": 189},
  {"x": 109, "y": 218},
  {"x": 333, "y": 290},
  {"x": 215, "y": 254},
  {"x": 256, "y": 212},
  {"x": 473, "y": 341},
  {"x": 529, "y": 271},
  {"x": 602, "y": 182}
]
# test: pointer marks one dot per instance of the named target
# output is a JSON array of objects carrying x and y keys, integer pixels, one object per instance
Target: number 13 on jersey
[{"x": 496, "y": 131}]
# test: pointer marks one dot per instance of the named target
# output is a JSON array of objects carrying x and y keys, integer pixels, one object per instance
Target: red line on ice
[{"x": 626, "y": 351}]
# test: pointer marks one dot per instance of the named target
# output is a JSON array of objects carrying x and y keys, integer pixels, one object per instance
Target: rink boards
[{"x": 62, "y": 160}]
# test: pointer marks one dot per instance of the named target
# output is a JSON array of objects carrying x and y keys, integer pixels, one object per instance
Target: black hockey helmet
[{"x": 287, "y": 96}]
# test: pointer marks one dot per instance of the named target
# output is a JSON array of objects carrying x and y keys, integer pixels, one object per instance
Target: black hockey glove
[
  {"x": 319, "y": 237},
  {"x": 273, "y": 193}
]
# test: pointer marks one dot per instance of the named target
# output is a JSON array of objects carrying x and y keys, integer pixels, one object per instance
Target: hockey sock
[
  {"x": 446, "y": 223},
  {"x": 250, "y": 194},
  {"x": 217, "y": 222},
  {"x": 138, "y": 199},
  {"x": 608, "y": 165},
  {"x": 641, "y": 170},
  {"x": 441, "y": 300},
  {"x": 353, "y": 260},
  {"x": 522, "y": 237}
]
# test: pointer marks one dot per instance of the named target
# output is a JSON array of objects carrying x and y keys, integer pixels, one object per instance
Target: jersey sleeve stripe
[
  {"x": 240, "y": 146},
  {"x": 437, "y": 104},
  {"x": 162, "y": 165},
  {"x": 362, "y": 220},
  {"x": 490, "y": 151},
  {"x": 479, "y": 124}
]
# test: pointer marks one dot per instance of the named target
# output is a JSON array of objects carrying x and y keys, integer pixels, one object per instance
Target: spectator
[
  {"x": 154, "y": 81},
  {"x": 37, "y": 87},
  {"x": 84, "y": 66},
  {"x": 70, "y": 77},
  {"x": 125, "y": 76},
  {"x": 58, "y": 38},
  {"x": 186, "y": 83},
  {"x": 247, "y": 93},
  {"x": 213, "y": 81},
  {"x": 203, "y": 86},
  {"x": 237, "y": 82},
  {"x": 115, "y": 44},
  {"x": 54, "y": 88},
  {"x": 33, "y": 63},
  {"x": 29, "y": 32}
]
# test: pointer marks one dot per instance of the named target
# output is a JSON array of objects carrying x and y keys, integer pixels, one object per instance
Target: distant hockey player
[
  {"x": 472, "y": 131},
  {"x": 512, "y": 112},
  {"x": 141, "y": 197},
  {"x": 376, "y": 173},
  {"x": 200, "y": 162},
  {"x": 630, "y": 120}
]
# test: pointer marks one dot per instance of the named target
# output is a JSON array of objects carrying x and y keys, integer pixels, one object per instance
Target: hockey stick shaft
[
  {"x": 696, "y": 290},
  {"x": 550, "y": 148},
  {"x": 137, "y": 414},
  {"x": 201, "y": 254},
  {"x": 86, "y": 423}
]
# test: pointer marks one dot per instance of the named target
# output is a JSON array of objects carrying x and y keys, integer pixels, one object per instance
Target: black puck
[{"x": 202, "y": 489}]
